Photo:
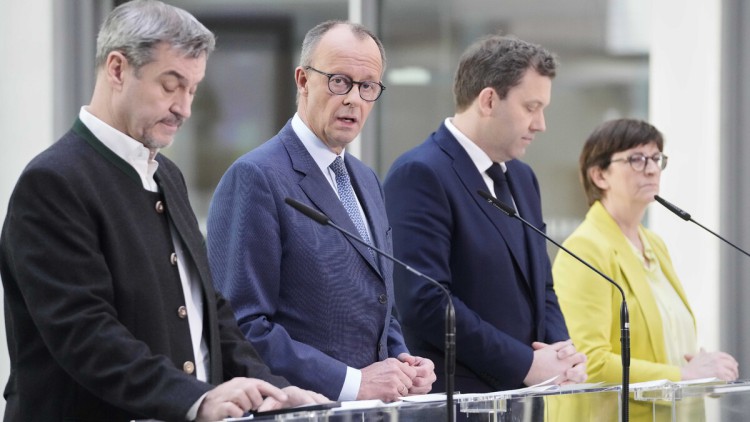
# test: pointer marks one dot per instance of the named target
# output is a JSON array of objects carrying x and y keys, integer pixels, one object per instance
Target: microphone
[
  {"x": 450, "y": 313},
  {"x": 624, "y": 314},
  {"x": 685, "y": 216}
]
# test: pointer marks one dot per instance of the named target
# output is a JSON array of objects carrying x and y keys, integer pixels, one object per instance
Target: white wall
[
  {"x": 25, "y": 102},
  {"x": 684, "y": 105}
]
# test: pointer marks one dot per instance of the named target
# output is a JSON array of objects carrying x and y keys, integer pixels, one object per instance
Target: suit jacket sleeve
[
  {"x": 245, "y": 253},
  {"x": 239, "y": 358},
  {"x": 51, "y": 237},
  {"x": 555, "y": 326},
  {"x": 423, "y": 219}
]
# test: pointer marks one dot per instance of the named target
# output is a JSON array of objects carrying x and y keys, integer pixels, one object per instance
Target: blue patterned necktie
[{"x": 349, "y": 200}]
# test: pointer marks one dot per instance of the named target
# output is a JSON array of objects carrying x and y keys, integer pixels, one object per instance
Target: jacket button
[
  {"x": 173, "y": 259},
  {"x": 159, "y": 207},
  {"x": 383, "y": 299},
  {"x": 182, "y": 312},
  {"x": 188, "y": 367}
]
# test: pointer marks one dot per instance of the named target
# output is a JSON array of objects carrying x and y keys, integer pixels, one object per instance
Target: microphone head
[
  {"x": 508, "y": 210},
  {"x": 668, "y": 205},
  {"x": 309, "y": 212}
]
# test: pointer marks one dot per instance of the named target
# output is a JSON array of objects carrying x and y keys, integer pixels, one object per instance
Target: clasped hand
[
  {"x": 560, "y": 360},
  {"x": 390, "y": 379}
]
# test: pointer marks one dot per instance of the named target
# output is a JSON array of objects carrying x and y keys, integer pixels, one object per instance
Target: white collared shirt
[
  {"x": 481, "y": 160},
  {"x": 323, "y": 157}
]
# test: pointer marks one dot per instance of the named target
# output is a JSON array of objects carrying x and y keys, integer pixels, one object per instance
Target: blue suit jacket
[
  {"x": 310, "y": 300},
  {"x": 443, "y": 228}
]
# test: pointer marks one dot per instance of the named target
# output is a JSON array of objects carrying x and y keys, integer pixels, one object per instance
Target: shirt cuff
[
  {"x": 351, "y": 384},
  {"x": 193, "y": 411}
]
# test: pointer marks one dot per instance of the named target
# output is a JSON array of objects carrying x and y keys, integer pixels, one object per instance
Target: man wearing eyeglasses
[{"x": 316, "y": 305}]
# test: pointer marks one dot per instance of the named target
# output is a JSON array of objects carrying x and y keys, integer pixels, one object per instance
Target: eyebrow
[{"x": 176, "y": 74}]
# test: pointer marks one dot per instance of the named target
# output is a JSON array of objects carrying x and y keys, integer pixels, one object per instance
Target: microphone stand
[
  {"x": 624, "y": 315},
  {"x": 685, "y": 216},
  {"x": 450, "y": 313}
]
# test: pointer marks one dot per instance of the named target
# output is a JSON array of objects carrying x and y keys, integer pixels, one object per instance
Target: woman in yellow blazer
[{"x": 620, "y": 168}]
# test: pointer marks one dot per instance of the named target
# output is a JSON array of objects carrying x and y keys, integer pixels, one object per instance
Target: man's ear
[
  {"x": 487, "y": 100},
  {"x": 115, "y": 67},
  {"x": 300, "y": 78}
]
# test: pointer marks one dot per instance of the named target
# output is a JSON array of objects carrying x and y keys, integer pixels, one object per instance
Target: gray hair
[
  {"x": 498, "y": 62},
  {"x": 313, "y": 37},
  {"x": 136, "y": 27}
]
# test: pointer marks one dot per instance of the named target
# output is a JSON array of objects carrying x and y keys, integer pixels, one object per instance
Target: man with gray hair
[
  {"x": 316, "y": 304},
  {"x": 111, "y": 313}
]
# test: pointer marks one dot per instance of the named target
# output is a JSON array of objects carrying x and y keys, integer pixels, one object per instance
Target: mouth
[
  {"x": 172, "y": 122},
  {"x": 347, "y": 119}
]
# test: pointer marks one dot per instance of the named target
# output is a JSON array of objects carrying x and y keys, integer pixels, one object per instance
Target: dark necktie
[
  {"x": 349, "y": 200},
  {"x": 503, "y": 193}
]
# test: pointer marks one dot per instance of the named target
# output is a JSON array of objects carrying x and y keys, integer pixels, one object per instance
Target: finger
[
  {"x": 269, "y": 403},
  {"x": 319, "y": 398},
  {"x": 577, "y": 374},
  {"x": 407, "y": 374},
  {"x": 269, "y": 390},
  {"x": 566, "y": 351},
  {"x": 538, "y": 345},
  {"x": 560, "y": 345},
  {"x": 219, "y": 411},
  {"x": 407, "y": 358},
  {"x": 576, "y": 359}
]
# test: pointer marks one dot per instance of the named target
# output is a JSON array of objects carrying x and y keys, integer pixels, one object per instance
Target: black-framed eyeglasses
[
  {"x": 342, "y": 84},
  {"x": 639, "y": 161}
]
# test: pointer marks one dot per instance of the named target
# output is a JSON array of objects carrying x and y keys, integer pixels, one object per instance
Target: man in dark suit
[
  {"x": 509, "y": 328},
  {"x": 316, "y": 304},
  {"x": 110, "y": 310}
]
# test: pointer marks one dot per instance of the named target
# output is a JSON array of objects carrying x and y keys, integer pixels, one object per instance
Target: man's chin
[{"x": 152, "y": 143}]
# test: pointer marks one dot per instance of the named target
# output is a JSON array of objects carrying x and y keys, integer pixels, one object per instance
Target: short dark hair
[
  {"x": 607, "y": 139},
  {"x": 498, "y": 62}
]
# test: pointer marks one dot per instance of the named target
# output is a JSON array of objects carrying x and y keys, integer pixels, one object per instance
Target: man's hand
[
  {"x": 235, "y": 397},
  {"x": 422, "y": 383},
  {"x": 295, "y": 397},
  {"x": 386, "y": 380},
  {"x": 560, "y": 360}
]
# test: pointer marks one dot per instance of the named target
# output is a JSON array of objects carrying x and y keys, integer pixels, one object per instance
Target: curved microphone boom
[
  {"x": 450, "y": 313},
  {"x": 685, "y": 216},
  {"x": 624, "y": 315}
]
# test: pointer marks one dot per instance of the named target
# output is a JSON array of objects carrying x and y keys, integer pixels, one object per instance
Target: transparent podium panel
[
  {"x": 571, "y": 403},
  {"x": 699, "y": 400},
  {"x": 365, "y": 411}
]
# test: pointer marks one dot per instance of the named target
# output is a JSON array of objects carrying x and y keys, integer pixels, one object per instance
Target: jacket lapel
[
  {"x": 636, "y": 284},
  {"x": 320, "y": 192},
  {"x": 472, "y": 181}
]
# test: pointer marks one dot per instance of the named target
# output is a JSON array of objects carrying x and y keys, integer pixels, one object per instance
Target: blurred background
[{"x": 682, "y": 65}]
